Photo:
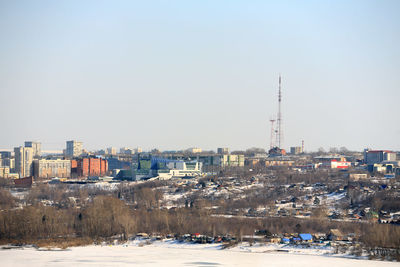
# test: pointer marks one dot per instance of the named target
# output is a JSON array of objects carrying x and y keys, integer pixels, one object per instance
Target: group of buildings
[
  {"x": 128, "y": 164},
  {"x": 134, "y": 164},
  {"x": 27, "y": 161}
]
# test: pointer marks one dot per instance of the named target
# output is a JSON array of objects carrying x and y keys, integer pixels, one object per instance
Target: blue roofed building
[{"x": 306, "y": 237}]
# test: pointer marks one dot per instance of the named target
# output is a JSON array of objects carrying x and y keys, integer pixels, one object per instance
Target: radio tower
[
  {"x": 276, "y": 149},
  {"x": 271, "y": 145},
  {"x": 279, "y": 120}
]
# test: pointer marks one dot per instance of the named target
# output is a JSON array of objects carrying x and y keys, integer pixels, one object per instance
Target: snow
[{"x": 173, "y": 253}]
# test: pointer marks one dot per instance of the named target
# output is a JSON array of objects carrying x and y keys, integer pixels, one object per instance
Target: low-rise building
[
  {"x": 222, "y": 160},
  {"x": 277, "y": 161},
  {"x": 333, "y": 162},
  {"x": 163, "y": 168},
  {"x": 357, "y": 176},
  {"x": 179, "y": 169}
]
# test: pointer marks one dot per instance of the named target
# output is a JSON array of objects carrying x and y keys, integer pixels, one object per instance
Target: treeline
[{"x": 105, "y": 217}]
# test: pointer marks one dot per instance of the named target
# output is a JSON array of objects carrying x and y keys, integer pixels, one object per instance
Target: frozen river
[{"x": 160, "y": 255}]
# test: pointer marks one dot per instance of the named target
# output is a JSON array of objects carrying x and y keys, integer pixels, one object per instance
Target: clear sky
[{"x": 178, "y": 74}]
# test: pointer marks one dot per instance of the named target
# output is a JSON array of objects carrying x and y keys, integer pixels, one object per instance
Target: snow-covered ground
[{"x": 172, "y": 253}]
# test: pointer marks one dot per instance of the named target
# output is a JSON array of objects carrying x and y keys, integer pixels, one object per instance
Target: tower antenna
[
  {"x": 279, "y": 120},
  {"x": 272, "y": 143}
]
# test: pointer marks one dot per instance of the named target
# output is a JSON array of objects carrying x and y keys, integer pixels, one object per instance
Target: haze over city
[
  {"x": 199, "y": 133},
  {"x": 179, "y": 74}
]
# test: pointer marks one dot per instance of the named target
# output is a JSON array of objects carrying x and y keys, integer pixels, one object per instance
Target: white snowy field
[{"x": 175, "y": 254}]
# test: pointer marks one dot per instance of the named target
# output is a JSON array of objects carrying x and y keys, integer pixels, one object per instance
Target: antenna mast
[
  {"x": 271, "y": 145},
  {"x": 279, "y": 120}
]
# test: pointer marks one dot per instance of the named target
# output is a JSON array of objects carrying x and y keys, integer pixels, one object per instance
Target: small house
[
  {"x": 335, "y": 235},
  {"x": 306, "y": 237}
]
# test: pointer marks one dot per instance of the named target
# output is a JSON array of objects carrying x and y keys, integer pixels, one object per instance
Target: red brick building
[{"x": 89, "y": 167}]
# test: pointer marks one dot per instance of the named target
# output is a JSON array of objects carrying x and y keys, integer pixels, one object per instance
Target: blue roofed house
[{"x": 306, "y": 237}]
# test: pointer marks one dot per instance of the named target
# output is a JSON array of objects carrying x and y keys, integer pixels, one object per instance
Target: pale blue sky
[{"x": 179, "y": 74}]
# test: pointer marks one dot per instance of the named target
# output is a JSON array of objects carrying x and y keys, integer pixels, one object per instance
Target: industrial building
[
  {"x": 163, "y": 168},
  {"x": 377, "y": 156},
  {"x": 222, "y": 160},
  {"x": 333, "y": 162},
  {"x": 179, "y": 169}
]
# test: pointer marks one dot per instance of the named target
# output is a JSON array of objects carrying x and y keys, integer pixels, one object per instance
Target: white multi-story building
[
  {"x": 45, "y": 168},
  {"x": 36, "y": 146},
  {"x": 74, "y": 148},
  {"x": 111, "y": 151},
  {"x": 23, "y": 161}
]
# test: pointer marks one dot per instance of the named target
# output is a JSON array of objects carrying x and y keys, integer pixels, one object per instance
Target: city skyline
[{"x": 173, "y": 75}]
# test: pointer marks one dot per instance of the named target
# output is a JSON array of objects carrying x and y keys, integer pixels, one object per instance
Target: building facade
[
  {"x": 8, "y": 162},
  {"x": 23, "y": 161},
  {"x": 126, "y": 151},
  {"x": 87, "y": 167},
  {"x": 45, "y": 168},
  {"x": 294, "y": 150},
  {"x": 5, "y": 154},
  {"x": 333, "y": 162},
  {"x": 74, "y": 148},
  {"x": 223, "y": 150},
  {"x": 4, "y": 172},
  {"x": 222, "y": 160},
  {"x": 194, "y": 150},
  {"x": 372, "y": 157},
  {"x": 112, "y": 151},
  {"x": 36, "y": 147}
]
